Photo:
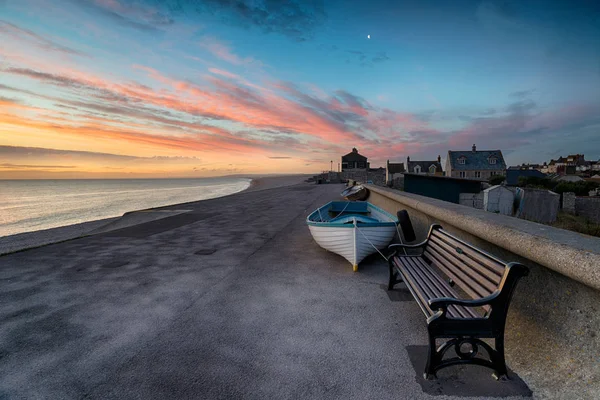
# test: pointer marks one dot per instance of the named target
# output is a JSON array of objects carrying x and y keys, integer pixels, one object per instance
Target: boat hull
[
  {"x": 353, "y": 243},
  {"x": 364, "y": 230}
]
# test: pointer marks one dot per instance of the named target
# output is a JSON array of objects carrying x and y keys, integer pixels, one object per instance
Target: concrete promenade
[{"x": 229, "y": 299}]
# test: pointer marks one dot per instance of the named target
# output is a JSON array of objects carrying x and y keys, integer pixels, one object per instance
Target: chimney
[
  {"x": 439, "y": 159},
  {"x": 474, "y": 148},
  {"x": 354, "y": 150},
  {"x": 407, "y": 159}
]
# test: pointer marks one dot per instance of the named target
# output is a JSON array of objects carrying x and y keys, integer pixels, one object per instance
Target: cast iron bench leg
[
  {"x": 432, "y": 359},
  {"x": 500, "y": 372}
]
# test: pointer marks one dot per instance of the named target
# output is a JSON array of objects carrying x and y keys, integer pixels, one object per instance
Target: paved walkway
[{"x": 232, "y": 299}]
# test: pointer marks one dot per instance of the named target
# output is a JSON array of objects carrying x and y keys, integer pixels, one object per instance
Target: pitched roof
[
  {"x": 477, "y": 160},
  {"x": 395, "y": 168},
  {"x": 354, "y": 156},
  {"x": 424, "y": 165}
]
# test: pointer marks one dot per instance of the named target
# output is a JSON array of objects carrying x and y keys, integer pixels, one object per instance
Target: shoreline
[{"x": 29, "y": 240}]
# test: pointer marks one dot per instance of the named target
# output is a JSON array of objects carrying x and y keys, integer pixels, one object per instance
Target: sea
[{"x": 32, "y": 205}]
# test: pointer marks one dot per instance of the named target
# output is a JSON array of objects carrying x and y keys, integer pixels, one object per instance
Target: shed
[
  {"x": 440, "y": 187},
  {"x": 498, "y": 199}
]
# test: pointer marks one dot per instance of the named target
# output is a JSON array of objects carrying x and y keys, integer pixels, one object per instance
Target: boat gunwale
[{"x": 324, "y": 224}]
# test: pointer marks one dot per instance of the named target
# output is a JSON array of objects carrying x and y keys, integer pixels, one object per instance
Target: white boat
[{"x": 353, "y": 230}]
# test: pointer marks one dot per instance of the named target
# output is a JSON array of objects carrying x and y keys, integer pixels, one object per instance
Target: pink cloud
[{"x": 222, "y": 50}]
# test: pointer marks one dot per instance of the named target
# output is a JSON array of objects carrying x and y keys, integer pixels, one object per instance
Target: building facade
[
  {"x": 475, "y": 164},
  {"x": 425, "y": 167},
  {"x": 354, "y": 160},
  {"x": 393, "y": 170}
]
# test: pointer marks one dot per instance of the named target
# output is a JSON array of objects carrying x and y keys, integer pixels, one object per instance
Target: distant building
[
  {"x": 595, "y": 165},
  {"x": 425, "y": 167},
  {"x": 393, "y": 170},
  {"x": 474, "y": 164},
  {"x": 354, "y": 160},
  {"x": 551, "y": 168},
  {"x": 514, "y": 173},
  {"x": 569, "y": 165},
  {"x": 530, "y": 167}
]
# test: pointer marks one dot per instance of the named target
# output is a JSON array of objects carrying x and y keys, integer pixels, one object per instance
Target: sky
[{"x": 184, "y": 88}]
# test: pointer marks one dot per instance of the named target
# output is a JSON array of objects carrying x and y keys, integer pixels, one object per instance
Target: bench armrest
[{"x": 444, "y": 302}]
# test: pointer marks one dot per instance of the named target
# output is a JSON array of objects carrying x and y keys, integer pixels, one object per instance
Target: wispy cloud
[
  {"x": 296, "y": 19},
  {"x": 25, "y": 166},
  {"x": 11, "y": 32},
  {"x": 223, "y": 51},
  {"x": 133, "y": 15}
]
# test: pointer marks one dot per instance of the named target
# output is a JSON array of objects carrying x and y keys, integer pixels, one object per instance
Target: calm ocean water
[{"x": 32, "y": 205}]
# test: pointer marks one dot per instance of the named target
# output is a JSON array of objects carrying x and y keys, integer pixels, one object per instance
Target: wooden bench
[{"x": 444, "y": 263}]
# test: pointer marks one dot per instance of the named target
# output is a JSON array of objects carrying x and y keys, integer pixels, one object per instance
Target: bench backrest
[{"x": 477, "y": 273}]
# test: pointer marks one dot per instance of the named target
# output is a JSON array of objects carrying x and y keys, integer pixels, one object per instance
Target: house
[
  {"x": 475, "y": 164},
  {"x": 595, "y": 165},
  {"x": 570, "y": 165},
  {"x": 354, "y": 160},
  {"x": 514, "y": 173},
  {"x": 425, "y": 167},
  {"x": 551, "y": 168},
  {"x": 393, "y": 170}
]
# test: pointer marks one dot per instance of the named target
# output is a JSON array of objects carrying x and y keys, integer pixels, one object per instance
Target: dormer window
[
  {"x": 418, "y": 169},
  {"x": 492, "y": 160},
  {"x": 462, "y": 160},
  {"x": 432, "y": 169}
]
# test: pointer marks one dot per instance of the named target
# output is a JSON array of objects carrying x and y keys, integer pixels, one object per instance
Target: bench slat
[
  {"x": 467, "y": 310},
  {"x": 436, "y": 289},
  {"x": 440, "y": 260},
  {"x": 421, "y": 301},
  {"x": 428, "y": 285},
  {"x": 492, "y": 264},
  {"x": 475, "y": 271},
  {"x": 423, "y": 292}
]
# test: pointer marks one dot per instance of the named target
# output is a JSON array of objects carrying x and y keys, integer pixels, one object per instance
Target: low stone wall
[
  {"x": 568, "y": 202},
  {"x": 588, "y": 207},
  {"x": 474, "y": 200},
  {"x": 397, "y": 183},
  {"x": 363, "y": 176},
  {"x": 551, "y": 335}
]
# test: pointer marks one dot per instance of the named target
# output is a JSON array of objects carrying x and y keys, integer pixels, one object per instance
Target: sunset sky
[{"x": 175, "y": 88}]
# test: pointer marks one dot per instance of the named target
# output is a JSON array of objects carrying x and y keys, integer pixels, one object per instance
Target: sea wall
[{"x": 551, "y": 333}]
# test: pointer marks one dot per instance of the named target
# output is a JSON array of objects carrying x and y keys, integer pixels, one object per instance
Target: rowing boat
[
  {"x": 355, "y": 193},
  {"x": 353, "y": 230}
]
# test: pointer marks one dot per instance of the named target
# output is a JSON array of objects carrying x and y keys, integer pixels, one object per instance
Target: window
[
  {"x": 432, "y": 169},
  {"x": 461, "y": 174},
  {"x": 492, "y": 160},
  {"x": 477, "y": 174},
  {"x": 418, "y": 169},
  {"x": 493, "y": 173},
  {"x": 361, "y": 164},
  {"x": 462, "y": 160}
]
